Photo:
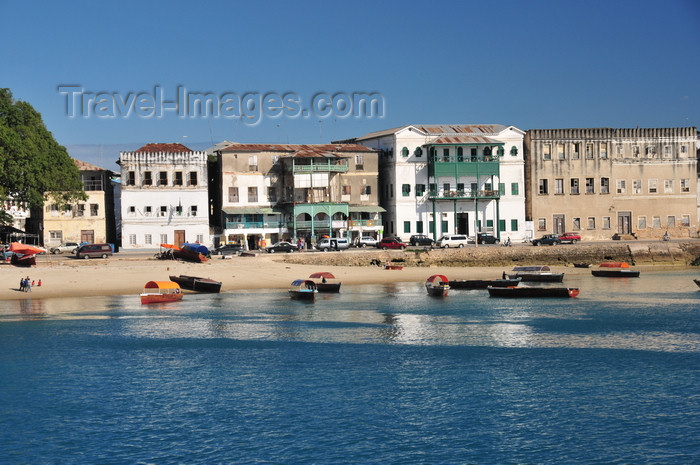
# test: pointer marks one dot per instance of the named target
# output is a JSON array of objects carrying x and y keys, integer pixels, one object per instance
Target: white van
[
  {"x": 333, "y": 243},
  {"x": 457, "y": 240}
]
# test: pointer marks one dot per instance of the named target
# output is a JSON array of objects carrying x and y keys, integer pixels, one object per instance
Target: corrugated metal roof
[
  {"x": 164, "y": 147},
  {"x": 441, "y": 129},
  {"x": 293, "y": 148},
  {"x": 85, "y": 166},
  {"x": 365, "y": 208},
  {"x": 463, "y": 140}
]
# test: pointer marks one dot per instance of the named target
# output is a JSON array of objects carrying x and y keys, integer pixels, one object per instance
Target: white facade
[
  {"x": 435, "y": 198},
  {"x": 164, "y": 196}
]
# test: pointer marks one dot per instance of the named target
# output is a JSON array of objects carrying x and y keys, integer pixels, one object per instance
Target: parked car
[
  {"x": 71, "y": 247},
  {"x": 228, "y": 249},
  {"x": 366, "y": 241},
  {"x": 391, "y": 243},
  {"x": 333, "y": 243},
  {"x": 94, "y": 251},
  {"x": 421, "y": 239},
  {"x": 454, "y": 240},
  {"x": 484, "y": 238},
  {"x": 571, "y": 238},
  {"x": 547, "y": 239},
  {"x": 281, "y": 246}
]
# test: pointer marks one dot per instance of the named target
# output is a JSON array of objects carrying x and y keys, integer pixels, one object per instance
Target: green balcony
[{"x": 464, "y": 195}]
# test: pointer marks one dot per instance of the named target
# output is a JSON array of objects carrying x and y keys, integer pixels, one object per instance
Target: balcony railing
[
  {"x": 463, "y": 195},
  {"x": 320, "y": 167},
  {"x": 254, "y": 224}
]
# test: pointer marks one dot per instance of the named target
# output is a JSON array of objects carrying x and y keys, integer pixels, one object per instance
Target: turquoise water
[{"x": 378, "y": 374}]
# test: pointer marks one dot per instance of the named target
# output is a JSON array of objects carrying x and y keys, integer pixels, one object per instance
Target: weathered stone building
[{"x": 602, "y": 181}]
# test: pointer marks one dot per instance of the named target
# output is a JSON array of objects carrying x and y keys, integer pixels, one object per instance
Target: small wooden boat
[
  {"x": 528, "y": 291},
  {"x": 161, "y": 291},
  {"x": 437, "y": 285},
  {"x": 390, "y": 266},
  {"x": 23, "y": 254},
  {"x": 697, "y": 281},
  {"x": 195, "y": 253},
  {"x": 195, "y": 283},
  {"x": 303, "y": 289},
  {"x": 615, "y": 270},
  {"x": 22, "y": 260},
  {"x": 483, "y": 283},
  {"x": 582, "y": 265},
  {"x": 325, "y": 282},
  {"x": 536, "y": 273}
]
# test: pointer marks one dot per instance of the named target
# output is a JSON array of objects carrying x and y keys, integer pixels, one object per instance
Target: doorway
[
  {"x": 559, "y": 224},
  {"x": 463, "y": 223},
  {"x": 179, "y": 237},
  {"x": 87, "y": 235},
  {"x": 624, "y": 222}
]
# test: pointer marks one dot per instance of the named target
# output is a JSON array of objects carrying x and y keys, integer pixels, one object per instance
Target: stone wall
[{"x": 674, "y": 253}]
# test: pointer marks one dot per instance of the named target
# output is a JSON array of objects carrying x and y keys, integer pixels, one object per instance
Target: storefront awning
[{"x": 365, "y": 208}]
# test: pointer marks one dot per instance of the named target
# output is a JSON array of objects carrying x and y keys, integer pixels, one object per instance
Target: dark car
[
  {"x": 391, "y": 243},
  {"x": 571, "y": 238},
  {"x": 547, "y": 239},
  {"x": 281, "y": 247},
  {"x": 484, "y": 238},
  {"x": 420, "y": 239},
  {"x": 228, "y": 249}
]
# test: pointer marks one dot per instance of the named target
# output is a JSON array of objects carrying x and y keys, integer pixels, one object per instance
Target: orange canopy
[
  {"x": 25, "y": 249},
  {"x": 170, "y": 246},
  {"x": 161, "y": 285},
  {"x": 615, "y": 265}
]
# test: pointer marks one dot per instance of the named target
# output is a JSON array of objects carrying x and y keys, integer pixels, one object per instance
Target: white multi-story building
[
  {"x": 464, "y": 178},
  {"x": 164, "y": 196}
]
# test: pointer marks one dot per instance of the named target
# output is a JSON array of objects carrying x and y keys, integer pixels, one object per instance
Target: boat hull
[
  {"x": 697, "y": 281},
  {"x": 328, "y": 288},
  {"x": 437, "y": 291},
  {"x": 528, "y": 292},
  {"x": 303, "y": 295},
  {"x": 538, "y": 277},
  {"x": 160, "y": 298},
  {"x": 195, "y": 283},
  {"x": 483, "y": 283},
  {"x": 615, "y": 273}
]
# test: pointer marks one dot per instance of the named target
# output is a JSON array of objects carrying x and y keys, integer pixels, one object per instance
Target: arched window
[
  {"x": 404, "y": 152},
  {"x": 419, "y": 152},
  {"x": 501, "y": 151},
  {"x": 514, "y": 151}
]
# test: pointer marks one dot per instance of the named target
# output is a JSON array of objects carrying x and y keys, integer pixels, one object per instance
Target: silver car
[{"x": 68, "y": 247}]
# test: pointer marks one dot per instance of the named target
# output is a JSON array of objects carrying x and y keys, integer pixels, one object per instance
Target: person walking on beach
[
  {"x": 27, "y": 285},
  {"x": 21, "y": 284}
]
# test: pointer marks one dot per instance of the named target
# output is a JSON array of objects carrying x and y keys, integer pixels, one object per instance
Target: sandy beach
[{"x": 125, "y": 275}]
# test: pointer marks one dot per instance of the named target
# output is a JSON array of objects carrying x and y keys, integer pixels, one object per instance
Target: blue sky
[{"x": 532, "y": 64}]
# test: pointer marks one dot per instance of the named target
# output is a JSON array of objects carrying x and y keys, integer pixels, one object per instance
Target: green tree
[{"x": 32, "y": 163}]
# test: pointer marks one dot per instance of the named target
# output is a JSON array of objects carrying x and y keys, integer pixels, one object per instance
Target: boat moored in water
[
  {"x": 536, "y": 273},
  {"x": 437, "y": 285},
  {"x": 483, "y": 283},
  {"x": 155, "y": 292},
  {"x": 615, "y": 270},
  {"x": 195, "y": 283},
  {"x": 531, "y": 291},
  {"x": 325, "y": 282},
  {"x": 303, "y": 289}
]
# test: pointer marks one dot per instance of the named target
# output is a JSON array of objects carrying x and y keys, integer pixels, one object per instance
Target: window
[
  {"x": 132, "y": 239},
  {"x": 668, "y": 186},
  {"x": 147, "y": 180},
  {"x": 514, "y": 188},
  {"x": 419, "y": 227},
  {"x": 558, "y": 186},
  {"x": 576, "y": 153},
  {"x": 252, "y": 194},
  {"x": 547, "y": 152},
  {"x": 604, "y": 185},
  {"x": 80, "y": 210},
  {"x": 460, "y": 188},
  {"x": 94, "y": 209},
  {"x": 603, "y": 150},
  {"x": 685, "y": 220},
  {"x": 685, "y": 185},
  {"x": 131, "y": 178},
  {"x": 544, "y": 189},
  {"x": 233, "y": 194},
  {"x": 589, "y": 151},
  {"x": 407, "y": 226},
  {"x": 642, "y": 222},
  {"x": 163, "y": 210},
  {"x": 574, "y": 186},
  {"x": 656, "y": 222},
  {"x": 606, "y": 222},
  {"x": 199, "y": 238},
  {"x": 391, "y": 190},
  {"x": 193, "y": 178},
  {"x": 591, "y": 222},
  {"x": 56, "y": 236},
  {"x": 252, "y": 163},
  {"x": 501, "y": 225},
  {"x": 163, "y": 238},
  {"x": 131, "y": 211},
  {"x": 618, "y": 150},
  {"x": 193, "y": 210},
  {"x": 272, "y": 194},
  {"x": 433, "y": 188},
  {"x": 637, "y": 186},
  {"x": 445, "y": 154},
  {"x": 621, "y": 186},
  {"x": 431, "y": 227},
  {"x": 419, "y": 153},
  {"x": 178, "y": 179},
  {"x": 444, "y": 226},
  {"x": 653, "y": 186},
  {"x": 560, "y": 151},
  {"x": 542, "y": 224},
  {"x": 667, "y": 151},
  {"x": 635, "y": 151},
  {"x": 359, "y": 162},
  {"x": 345, "y": 190},
  {"x": 446, "y": 189},
  {"x": 514, "y": 151},
  {"x": 404, "y": 152},
  {"x": 460, "y": 154},
  {"x": 671, "y": 221},
  {"x": 513, "y": 225},
  {"x": 650, "y": 151},
  {"x": 405, "y": 190},
  {"x": 576, "y": 224},
  {"x": 162, "y": 178},
  {"x": 178, "y": 210},
  {"x": 420, "y": 190},
  {"x": 147, "y": 211},
  {"x": 684, "y": 149},
  {"x": 365, "y": 190},
  {"x": 148, "y": 239},
  {"x": 590, "y": 186},
  {"x": 501, "y": 188}
]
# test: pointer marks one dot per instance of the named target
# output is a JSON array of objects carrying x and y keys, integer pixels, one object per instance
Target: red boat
[
  {"x": 437, "y": 285},
  {"x": 615, "y": 270},
  {"x": 24, "y": 255},
  {"x": 161, "y": 291}
]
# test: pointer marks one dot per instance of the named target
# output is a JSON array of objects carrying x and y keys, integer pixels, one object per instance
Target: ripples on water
[{"x": 377, "y": 374}]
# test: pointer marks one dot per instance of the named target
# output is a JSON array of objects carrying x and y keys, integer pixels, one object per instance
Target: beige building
[
  {"x": 602, "y": 181},
  {"x": 273, "y": 192},
  {"x": 89, "y": 221}
]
